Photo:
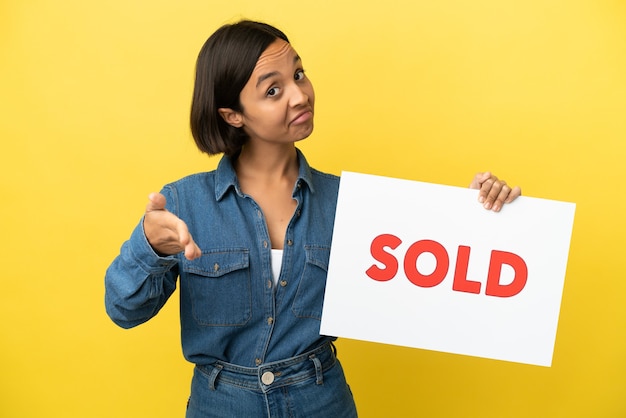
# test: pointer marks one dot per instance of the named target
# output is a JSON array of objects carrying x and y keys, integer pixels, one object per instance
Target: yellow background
[{"x": 94, "y": 100}]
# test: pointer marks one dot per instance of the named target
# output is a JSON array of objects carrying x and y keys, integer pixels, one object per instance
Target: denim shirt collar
[{"x": 227, "y": 177}]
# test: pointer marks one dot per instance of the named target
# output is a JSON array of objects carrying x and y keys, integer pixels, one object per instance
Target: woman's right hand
[{"x": 166, "y": 233}]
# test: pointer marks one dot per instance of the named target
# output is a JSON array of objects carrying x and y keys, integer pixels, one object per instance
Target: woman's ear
[{"x": 231, "y": 117}]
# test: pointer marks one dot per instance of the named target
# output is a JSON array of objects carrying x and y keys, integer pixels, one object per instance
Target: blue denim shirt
[{"x": 230, "y": 309}]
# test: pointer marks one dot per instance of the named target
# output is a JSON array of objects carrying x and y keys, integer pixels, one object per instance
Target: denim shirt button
[
  {"x": 283, "y": 283},
  {"x": 269, "y": 284},
  {"x": 289, "y": 242},
  {"x": 270, "y": 320},
  {"x": 257, "y": 361},
  {"x": 267, "y": 378},
  {"x": 216, "y": 267},
  {"x": 264, "y": 244}
]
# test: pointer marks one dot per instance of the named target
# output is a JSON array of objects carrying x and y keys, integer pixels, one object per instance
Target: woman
[{"x": 252, "y": 276}]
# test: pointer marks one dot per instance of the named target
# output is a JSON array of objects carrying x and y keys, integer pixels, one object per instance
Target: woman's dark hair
[{"x": 223, "y": 68}]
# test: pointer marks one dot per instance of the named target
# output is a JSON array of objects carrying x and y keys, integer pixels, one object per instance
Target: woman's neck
[
  {"x": 269, "y": 178},
  {"x": 270, "y": 165}
]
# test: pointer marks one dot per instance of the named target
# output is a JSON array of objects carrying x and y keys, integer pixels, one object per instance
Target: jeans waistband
[{"x": 276, "y": 374}]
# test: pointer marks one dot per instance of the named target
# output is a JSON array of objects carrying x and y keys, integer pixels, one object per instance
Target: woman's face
[{"x": 278, "y": 98}]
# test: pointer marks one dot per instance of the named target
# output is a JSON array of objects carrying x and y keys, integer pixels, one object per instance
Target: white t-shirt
[{"x": 277, "y": 261}]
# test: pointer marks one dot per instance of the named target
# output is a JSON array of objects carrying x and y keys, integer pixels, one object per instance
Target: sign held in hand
[{"x": 425, "y": 266}]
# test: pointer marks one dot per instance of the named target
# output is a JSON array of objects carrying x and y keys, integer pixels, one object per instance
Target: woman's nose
[{"x": 299, "y": 95}]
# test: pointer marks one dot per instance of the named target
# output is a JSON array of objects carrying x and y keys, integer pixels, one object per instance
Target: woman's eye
[
  {"x": 299, "y": 75},
  {"x": 272, "y": 92}
]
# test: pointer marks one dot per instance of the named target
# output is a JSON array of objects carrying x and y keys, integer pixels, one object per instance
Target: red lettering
[
  {"x": 494, "y": 288},
  {"x": 377, "y": 249},
  {"x": 460, "y": 282},
  {"x": 410, "y": 263},
  {"x": 442, "y": 263}
]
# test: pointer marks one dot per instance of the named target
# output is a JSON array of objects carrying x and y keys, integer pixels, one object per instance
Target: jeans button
[{"x": 267, "y": 378}]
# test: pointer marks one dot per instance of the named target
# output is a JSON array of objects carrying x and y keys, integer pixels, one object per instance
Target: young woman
[{"x": 249, "y": 241}]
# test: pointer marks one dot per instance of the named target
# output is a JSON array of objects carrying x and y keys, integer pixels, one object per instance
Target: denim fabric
[
  {"x": 310, "y": 385},
  {"x": 230, "y": 308}
]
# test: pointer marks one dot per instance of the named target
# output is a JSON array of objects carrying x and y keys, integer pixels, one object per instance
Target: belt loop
[
  {"x": 217, "y": 368},
  {"x": 319, "y": 377}
]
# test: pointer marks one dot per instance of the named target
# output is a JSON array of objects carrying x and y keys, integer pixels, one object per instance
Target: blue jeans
[{"x": 308, "y": 386}]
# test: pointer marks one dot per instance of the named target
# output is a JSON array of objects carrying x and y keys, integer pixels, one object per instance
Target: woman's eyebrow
[
  {"x": 271, "y": 74},
  {"x": 264, "y": 77}
]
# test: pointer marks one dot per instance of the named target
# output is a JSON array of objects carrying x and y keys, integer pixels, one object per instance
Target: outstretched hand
[
  {"x": 166, "y": 233},
  {"x": 494, "y": 193}
]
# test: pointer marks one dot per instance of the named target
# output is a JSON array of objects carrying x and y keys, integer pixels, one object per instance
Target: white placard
[{"x": 426, "y": 266}]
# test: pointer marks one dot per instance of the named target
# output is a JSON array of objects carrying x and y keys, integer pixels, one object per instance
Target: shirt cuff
[{"x": 145, "y": 256}]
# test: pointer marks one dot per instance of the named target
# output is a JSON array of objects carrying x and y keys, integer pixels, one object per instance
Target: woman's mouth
[{"x": 302, "y": 117}]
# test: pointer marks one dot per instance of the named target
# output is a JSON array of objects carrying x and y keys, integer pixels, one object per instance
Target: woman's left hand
[{"x": 494, "y": 193}]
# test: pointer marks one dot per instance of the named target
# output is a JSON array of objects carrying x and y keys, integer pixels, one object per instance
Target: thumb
[
  {"x": 157, "y": 202},
  {"x": 479, "y": 179}
]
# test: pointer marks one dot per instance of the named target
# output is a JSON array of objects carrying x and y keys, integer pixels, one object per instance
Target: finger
[
  {"x": 491, "y": 190},
  {"x": 157, "y": 202},
  {"x": 501, "y": 198},
  {"x": 184, "y": 237},
  {"x": 487, "y": 187},
  {"x": 192, "y": 251},
  {"x": 487, "y": 182},
  {"x": 190, "y": 248},
  {"x": 514, "y": 194},
  {"x": 479, "y": 179}
]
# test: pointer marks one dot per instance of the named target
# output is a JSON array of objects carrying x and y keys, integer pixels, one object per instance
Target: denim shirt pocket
[
  {"x": 220, "y": 287},
  {"x": 309, "y": 297}
]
